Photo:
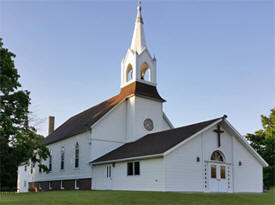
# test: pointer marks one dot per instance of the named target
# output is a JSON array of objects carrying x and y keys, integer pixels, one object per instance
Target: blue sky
[{"x": 213, "y": 57}]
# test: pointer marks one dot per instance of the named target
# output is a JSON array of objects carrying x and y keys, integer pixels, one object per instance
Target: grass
[{"x": 134, "y": 197}]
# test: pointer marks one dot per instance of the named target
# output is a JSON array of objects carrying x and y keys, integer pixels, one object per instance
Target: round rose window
[{"x": 148, "y": 124}]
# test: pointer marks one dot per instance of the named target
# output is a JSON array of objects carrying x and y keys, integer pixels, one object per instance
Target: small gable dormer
[{"x": 138, "y": 65}]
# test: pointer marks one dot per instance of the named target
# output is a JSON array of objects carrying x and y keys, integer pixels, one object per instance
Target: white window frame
[
  {"x": 61, "y": 185},
  {"x": 50, "y": 185},
  {"x": 76, "y": 152},
  {"x": 109, "y": 171},
  {"x": 32, "y": 167},
  {"x": 75, "y": 184},
  {"x": 39, "y": 186},
  {"x": 50, "y": 162},
  {"x": 133, "y": 168},
  {"x": 62, "y": 158}
]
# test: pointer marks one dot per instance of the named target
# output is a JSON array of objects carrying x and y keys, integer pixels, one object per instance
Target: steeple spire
[{"x": 138, "y": 40}]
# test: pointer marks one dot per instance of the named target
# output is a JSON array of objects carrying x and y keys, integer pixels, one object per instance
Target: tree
[
  {"x": 263, "y": 141},
  {"x": 19, "y": 142}
]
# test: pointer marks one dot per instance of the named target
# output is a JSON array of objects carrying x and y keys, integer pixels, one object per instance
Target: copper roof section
[
  {"x": 155, "y": 143},
  {"x": 84, "y": 120}
]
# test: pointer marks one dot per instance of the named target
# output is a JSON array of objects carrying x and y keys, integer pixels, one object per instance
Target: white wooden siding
[
  {"x": 69, "y": 171},
  {"x": 249, "y": 176},
  {"x": 151, "y": 176},
  {"x": 182, "y": 171}
]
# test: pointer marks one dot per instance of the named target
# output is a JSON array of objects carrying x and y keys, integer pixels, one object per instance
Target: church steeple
[
  {"x": 138, "y": 40},
  {"x": 138, "y": 65}
]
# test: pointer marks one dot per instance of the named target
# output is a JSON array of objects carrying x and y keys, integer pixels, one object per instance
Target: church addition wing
[{"x": 154, "y": 143}]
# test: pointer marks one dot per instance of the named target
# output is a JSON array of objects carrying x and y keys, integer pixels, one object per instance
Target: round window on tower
[{"x": 148, "y": 124}]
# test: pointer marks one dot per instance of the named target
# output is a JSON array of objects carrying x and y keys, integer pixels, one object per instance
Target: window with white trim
[
  {"x": 133, "y": 168},
  {"x": 76, "y": 162},
  {"x": 50, "y": 162},
  {"x": 62, "y": 158},
  {"x": 61, "y": 185},
  {"x": 50, "y": 186},
  {"x": 76, "y": 184},
  {"x": 32, "y": 168},
  {"x": 109, "y": 171}
]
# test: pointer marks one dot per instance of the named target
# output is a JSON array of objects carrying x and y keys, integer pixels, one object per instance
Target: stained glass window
[
  {"x": 222, "y": 172},
  {"x": 217, "y": 156},
  {"x": 213, "y": 171}
]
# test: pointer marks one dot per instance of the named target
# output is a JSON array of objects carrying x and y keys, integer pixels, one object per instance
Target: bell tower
[{"x": 138, "y": 64}]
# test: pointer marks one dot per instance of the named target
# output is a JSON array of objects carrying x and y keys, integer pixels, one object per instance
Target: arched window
[
  {"x": 217, "y": 156},
  {"x": 50, "y": 162},
  {"x": 129, "y": 73},
  {"x": 62, "y": 158},
  {"x": 145, "y": 72},
  {"x": 76, "y": 162}
]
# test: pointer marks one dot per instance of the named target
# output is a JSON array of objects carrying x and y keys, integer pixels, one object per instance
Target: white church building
[{"x": 128, "y": 143}]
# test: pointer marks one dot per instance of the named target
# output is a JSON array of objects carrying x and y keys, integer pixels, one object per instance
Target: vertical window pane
[
  {"x": 76, "y": 155},
  {"x": 50, "y": 163},
  {"x": 137, "y": 168},
  {"x": 76, "y": 184},
  {"x": 213, "y": 171},
  {"x": 223, "y": 172},
  {"x": 62, "y": 158},
  {"x": 130, "y": 168}
]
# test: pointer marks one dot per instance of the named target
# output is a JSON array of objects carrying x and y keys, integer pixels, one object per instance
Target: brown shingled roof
[
  {"x": 84, "y": 120},
  {"x": 155, "y": 143}
]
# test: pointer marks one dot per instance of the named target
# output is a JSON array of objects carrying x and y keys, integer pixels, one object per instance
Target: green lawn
[{"x": 132, "y": 198}]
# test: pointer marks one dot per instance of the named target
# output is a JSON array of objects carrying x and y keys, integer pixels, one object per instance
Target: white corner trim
[
  {"x": 190, "y": 138},
  {"x": 128, "y": 159},
  {"x": 106, "y": 114},
  {"x": 246, "y": 144},
  {"x": 167, "y": 120}
]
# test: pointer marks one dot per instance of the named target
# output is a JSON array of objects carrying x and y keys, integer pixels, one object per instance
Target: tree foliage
[
  {"x": 263, "y": 141},
  {"x": 19, "y": 142}
]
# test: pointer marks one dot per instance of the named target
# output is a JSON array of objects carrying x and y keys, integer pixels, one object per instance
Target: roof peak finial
[{"x": 139, "y": 17}]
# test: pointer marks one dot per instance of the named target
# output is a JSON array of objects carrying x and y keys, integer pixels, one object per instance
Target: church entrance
[{"x": 218, "y": 176}]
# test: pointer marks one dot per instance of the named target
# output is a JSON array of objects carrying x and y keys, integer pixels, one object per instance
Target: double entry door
[{"x": 218, "y": 177}]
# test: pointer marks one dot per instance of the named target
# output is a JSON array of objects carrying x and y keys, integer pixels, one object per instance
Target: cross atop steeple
[{"x": 138, "y": 40}]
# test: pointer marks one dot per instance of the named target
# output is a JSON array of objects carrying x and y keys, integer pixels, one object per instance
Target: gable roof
[
  {"x": 154, "y": 143},
  {"x": 84, "y": 120}
]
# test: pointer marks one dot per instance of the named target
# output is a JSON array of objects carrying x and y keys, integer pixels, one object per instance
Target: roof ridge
[
  {"x": 92, "y": 107},
  {"x": 82, "y": 121},
  {"x": 163, "y": 131}
]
